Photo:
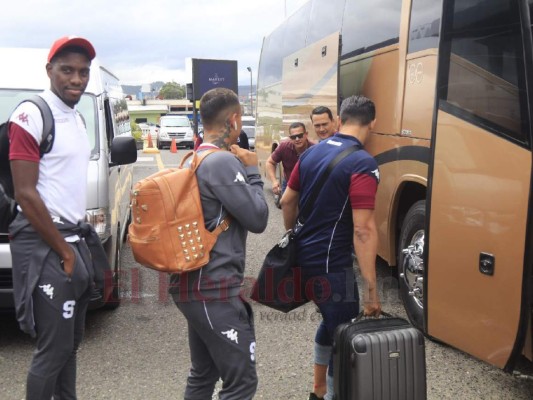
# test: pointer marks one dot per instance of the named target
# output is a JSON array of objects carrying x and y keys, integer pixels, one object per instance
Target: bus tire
[{"x": 410, "y": 263}]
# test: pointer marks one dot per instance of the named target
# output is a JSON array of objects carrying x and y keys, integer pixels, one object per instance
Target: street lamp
[{"x": 251, "y": 91}]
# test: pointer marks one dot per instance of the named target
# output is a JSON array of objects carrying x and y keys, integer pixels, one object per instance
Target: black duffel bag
[{"x": 279, "y": 283}]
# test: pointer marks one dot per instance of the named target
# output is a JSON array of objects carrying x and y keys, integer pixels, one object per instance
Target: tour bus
[{"x": 452, "y": 82}]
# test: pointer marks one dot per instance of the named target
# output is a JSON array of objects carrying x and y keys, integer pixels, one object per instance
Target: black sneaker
[{"x": 313, "y": 396}]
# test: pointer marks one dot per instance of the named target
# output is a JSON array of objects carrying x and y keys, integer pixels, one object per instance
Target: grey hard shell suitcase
[{"x": 379, "y": 359}]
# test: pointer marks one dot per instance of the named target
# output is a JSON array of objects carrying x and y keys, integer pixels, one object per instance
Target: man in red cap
[{"x": 52, "y": 269}]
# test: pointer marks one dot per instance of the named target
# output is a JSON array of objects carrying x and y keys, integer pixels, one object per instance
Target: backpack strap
[
  {"x": 317, "y": 187},
  {"x": 47, "y": 140},
  {"x": 196, "y": 158},
  {"x": 195, "y": 163}
]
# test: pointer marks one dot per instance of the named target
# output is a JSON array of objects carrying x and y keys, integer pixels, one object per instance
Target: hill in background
[{"x": 133, "y": 90}]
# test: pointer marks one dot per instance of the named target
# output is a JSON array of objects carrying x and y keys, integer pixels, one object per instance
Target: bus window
[
  {"x": 296, "y": 30},
  {"x": 271, "y": 56},
  {"x": 425, "y": 25},
  {"x": 370, "y": 24},
  {"x": 486, "y": 77},
  {"x": 325, "y": 19}
]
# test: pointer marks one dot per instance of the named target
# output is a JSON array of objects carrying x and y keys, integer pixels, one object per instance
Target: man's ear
[
  {"x": 48, "y": 69},
  {"x": 233, "y": 119},
  {"x": 372, "y": 124}
]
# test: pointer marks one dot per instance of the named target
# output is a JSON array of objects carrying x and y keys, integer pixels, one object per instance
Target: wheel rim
[{"x": 414, "y": 269}]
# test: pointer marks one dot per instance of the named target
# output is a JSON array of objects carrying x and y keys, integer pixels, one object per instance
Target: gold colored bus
[{"x": 453, "y": 85}]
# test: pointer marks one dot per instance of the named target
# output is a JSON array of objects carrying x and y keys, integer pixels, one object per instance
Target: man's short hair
[
  {"x": 214, "y": 104},
  {"x": 321, "y": 110},
  {"x": 295, "y": 125},
  {"x": 357, "y": 109}
]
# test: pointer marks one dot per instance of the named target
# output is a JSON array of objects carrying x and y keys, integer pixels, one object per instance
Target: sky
[{"x": 147, "y": 41}]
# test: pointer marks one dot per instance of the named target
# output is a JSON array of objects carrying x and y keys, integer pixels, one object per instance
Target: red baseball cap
[{"x": 65, "y": 41}]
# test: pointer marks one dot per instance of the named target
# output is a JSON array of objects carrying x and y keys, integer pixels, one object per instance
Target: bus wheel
[{"x": 411, "y": 263}]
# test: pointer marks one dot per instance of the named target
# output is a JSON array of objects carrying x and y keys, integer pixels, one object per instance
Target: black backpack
[{"x": 8, "y": 209}]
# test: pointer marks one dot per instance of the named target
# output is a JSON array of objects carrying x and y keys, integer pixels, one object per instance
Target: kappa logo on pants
[
  {"x": 48, "y": 290},
  {"x": 232, "y": 335}
]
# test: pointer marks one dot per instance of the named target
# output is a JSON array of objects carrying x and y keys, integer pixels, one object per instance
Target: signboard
[{"x": 211, "y": 74}]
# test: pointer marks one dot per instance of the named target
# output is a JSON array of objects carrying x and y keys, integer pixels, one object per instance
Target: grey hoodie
[{"x": 226, "y": 187}]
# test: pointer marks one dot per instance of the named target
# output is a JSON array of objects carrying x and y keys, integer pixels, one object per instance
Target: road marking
[
  {"x": 160, "y": 164},
  {"x": 145, "y": 159}
]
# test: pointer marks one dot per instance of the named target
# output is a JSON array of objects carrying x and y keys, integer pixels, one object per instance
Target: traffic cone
[
  {"x": 149, "y": 148},
  {"x": 173, "y": 146}
]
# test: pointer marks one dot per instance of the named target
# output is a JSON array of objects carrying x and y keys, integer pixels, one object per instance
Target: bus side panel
[
  {"x": 419, "y": 100},
  {"x": 400, "y": 160},
  {"x": 479, "y": 210},
  {"x": 375, "y": 75},
  {"x": 310, "y": 78}
]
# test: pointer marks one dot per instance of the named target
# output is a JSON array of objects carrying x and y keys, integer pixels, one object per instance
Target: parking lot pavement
[{"x": 140, "y": 350}]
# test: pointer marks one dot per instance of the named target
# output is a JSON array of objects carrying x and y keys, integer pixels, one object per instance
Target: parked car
[
  {"x": 250, "y": 132},
  {"x": 109, "y": 178},
  {"x": 175, "y": 127},
  {"x": 248, "y": 120}
]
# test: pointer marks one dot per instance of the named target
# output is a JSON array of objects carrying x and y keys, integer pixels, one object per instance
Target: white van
[
  {"x": 248, "y": 120},
  {"x": 175, "y": 126},
  {"x": 110, "y": 179}
]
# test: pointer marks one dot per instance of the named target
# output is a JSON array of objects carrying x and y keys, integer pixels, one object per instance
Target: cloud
[{"x": 148, "y": 41}]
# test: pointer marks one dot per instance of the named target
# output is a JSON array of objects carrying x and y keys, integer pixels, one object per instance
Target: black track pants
[
  {"x": 59, "y": 307},
  {"x": 222, "y": 345}
]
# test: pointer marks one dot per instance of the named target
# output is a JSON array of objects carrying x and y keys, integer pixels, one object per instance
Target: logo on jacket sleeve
[
  {"x": 232, "y": 335},
  {"x": 23, "y": 118},
  {"x": 48, "y": 290},
  {"x": 239, "y": 178},
  {"x": 376, "y": 173}
]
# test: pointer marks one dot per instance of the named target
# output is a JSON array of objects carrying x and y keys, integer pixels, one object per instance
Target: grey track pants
[
  {"x": 59, "y": 307},
  {"x": 222, "y": 345}
]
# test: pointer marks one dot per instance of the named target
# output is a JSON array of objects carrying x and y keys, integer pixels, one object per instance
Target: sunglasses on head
[{"x": 297, "y": 136}]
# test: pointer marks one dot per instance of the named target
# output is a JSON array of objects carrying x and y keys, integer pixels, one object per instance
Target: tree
[{"x": 172, "y": 90}]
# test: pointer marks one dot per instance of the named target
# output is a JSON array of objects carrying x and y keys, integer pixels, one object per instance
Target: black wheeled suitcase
[{"x": 379, "y": 359}]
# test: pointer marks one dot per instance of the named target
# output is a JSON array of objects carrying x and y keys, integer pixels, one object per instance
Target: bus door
[
  {"x": 310, "y": 79},
  {"x": 478, "y": 243}
]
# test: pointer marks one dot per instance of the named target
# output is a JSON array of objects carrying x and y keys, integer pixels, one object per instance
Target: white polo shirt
[{"x": 62, "y": 180}]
